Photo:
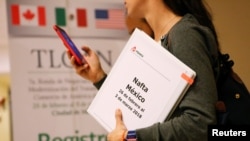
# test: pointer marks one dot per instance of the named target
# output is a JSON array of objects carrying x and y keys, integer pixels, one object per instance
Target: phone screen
[{"x": 69, "y": 44}]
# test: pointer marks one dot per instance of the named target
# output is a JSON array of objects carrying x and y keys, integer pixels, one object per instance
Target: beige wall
[
  {"x": 5, "y": 108},
  {"x": 232, "y": 20}
]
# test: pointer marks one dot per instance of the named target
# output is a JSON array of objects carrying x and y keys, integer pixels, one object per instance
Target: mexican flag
[
  {"x": 60, "y": 14},
  {"x": 74, "y": 17},
  {"x": 28, "y": 15}
]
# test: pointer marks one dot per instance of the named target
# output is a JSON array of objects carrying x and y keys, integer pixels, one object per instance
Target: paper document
[{"x": 146, "y": 83}]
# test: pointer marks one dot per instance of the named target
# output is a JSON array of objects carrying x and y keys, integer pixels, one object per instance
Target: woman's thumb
[{"x": 118, "y": 117}]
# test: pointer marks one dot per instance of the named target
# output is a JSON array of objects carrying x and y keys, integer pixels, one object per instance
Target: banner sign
[
  {"x": 48, "y": 99},
  {"x": 80, "y": 18}
]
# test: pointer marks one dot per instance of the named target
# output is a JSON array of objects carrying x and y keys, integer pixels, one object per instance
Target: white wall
[{"x": 4, "y": 54}]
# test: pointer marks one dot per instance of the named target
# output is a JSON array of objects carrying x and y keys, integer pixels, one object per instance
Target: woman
[{"x": 185, "y": 28}]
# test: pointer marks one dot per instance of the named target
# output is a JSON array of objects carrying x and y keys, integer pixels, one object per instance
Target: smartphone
[{"x": 68, "y": 43}]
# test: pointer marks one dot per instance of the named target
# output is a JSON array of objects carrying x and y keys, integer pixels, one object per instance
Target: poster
[
  {"x": 49, "y": 100},
  {"x": 80, "y": 18}
]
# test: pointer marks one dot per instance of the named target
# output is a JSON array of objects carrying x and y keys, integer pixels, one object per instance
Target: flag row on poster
[{"x": 30, "y": 15}]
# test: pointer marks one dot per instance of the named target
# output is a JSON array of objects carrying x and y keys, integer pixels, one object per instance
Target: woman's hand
[
  {"x": 92, "y": 70},
  {"x": 120, "y": 131}
]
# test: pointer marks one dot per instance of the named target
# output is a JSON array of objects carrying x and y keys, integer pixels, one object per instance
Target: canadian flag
[{"x": 28, "y": 15}]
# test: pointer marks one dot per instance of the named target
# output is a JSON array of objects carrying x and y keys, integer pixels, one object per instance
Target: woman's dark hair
[{"x": 198, "y": 8}]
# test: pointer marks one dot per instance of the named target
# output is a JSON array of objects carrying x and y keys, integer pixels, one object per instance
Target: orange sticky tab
[{"x": 187, "y": 78}]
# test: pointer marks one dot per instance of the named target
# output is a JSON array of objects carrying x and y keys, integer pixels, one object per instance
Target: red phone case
[{"x": 68, "y": 43}]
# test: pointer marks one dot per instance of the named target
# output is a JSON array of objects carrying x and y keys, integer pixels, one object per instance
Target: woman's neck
[
  {"x": 164, "y": 29},
  {"x": 163, "y": 23}
]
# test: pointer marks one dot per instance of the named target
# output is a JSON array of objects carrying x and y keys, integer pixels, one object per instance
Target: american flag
[{"x": 110, "y": 19}]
